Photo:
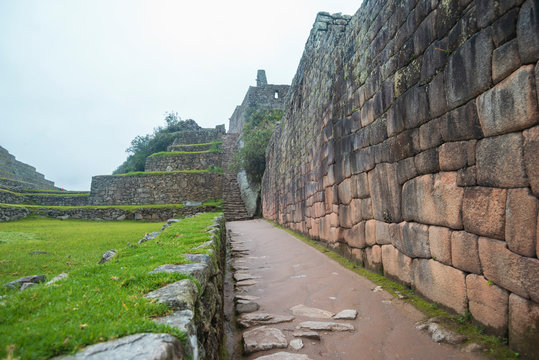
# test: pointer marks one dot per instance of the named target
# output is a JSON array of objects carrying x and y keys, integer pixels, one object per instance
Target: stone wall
[
  {"x": 8, "y": 213},
  {"x": 263, "y": 96},
  {"x": 12, "y": 169},
  {"x": 172, "y": 187},
  {"x": 150, "y": 214},
  {"x": 411, "y": 141},
  {"x": 193, "y": 147},
  {"x": 8, "y": 197},
  {"x": 183, "y": 161},
  {"x": 58, "y": 200},
  {"x": 200, "y": 136}
]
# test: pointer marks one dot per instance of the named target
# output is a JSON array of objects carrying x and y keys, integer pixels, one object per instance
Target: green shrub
[
  {"x": 144, "y": 146},
  {"x": 255, "y": 135}
]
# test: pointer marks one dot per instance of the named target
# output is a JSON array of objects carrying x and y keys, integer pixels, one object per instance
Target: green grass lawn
[{"x": 96, "y": 302}]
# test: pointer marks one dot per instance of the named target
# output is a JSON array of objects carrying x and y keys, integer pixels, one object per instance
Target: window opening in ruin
[{"x": 276, "y": 95}]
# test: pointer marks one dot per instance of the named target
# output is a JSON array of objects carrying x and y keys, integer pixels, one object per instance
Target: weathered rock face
[{"x": 422, "y": 116}]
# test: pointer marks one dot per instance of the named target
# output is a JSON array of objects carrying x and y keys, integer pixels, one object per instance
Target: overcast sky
[{"x": 79, "y": 79}]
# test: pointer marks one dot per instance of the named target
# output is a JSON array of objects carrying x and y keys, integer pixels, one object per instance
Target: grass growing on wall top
[
  {"x": 202, "y": 144},
  {"x": 150, "y": 173},
  {"x": 96, "y": 302},
  {"x": 174, "y": 153},
  {"x": 47, "y": 192},
  {"x": 56, "y": 194},
  {"x": 495, "y": 347},
  {"x": 215, "y": 203}
]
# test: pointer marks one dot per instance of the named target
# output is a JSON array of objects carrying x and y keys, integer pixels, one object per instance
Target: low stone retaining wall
[
  {"x": 156, "y": 188},
  {"x": 8, "y": 197},
  {"x": 107, "y": 214},
  {"x": 183, "y": 161},
  {"x": 191, "y": 147},
  {"x": 12, "y": 213},
  {"x": 197, "y": 311},
  {"x": 59, "y": 200}
]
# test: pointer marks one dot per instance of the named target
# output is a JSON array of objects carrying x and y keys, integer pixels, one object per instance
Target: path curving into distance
[{"x": 278, "y": 272}]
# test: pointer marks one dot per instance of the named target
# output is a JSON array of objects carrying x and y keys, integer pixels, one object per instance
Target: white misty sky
[{"x": 79, "y": 79}]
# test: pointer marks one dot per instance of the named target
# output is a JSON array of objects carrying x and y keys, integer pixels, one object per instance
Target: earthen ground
[{"x": 289, "y": 272}]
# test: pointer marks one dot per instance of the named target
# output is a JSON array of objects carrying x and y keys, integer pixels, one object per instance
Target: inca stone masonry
[{"x": 410, "y": 142}]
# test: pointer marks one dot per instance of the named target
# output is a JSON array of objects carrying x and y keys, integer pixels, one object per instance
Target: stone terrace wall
[
  {"x": 8, "y": 197},
  {"x": 155, "y": 188},
  {"x": 175, "y": 161},
  {"x": 8, "y": 213},
  {"x": 411, "y": 141},
  {"x": 201, "y": 136},
  {"x": 11, "y": 168},
  {"x": 58, "y": 200}
]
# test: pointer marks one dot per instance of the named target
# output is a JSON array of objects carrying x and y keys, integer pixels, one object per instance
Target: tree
[
  {"x": 255, "y": 136},
  {"x": 163, "y": 136}
]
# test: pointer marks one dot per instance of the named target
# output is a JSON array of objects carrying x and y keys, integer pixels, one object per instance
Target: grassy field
[{"x": 96, "y": 302}]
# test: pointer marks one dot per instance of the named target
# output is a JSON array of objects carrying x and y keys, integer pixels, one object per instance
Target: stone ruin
[{"x": 410, "y": 143}]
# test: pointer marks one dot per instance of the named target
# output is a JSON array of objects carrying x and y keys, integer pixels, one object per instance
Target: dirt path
[{"x": 288, "y": 272}]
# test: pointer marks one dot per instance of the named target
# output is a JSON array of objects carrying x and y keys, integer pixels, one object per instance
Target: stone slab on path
[
  {"x": 302, "y": 310},
  {"x": 263, "y": 338},
  {"x": 260, "y": 318},
  {"x": 326, "y": 326},
  {"x": 284, "y": 356},
  {"x": 346, "y": 315}
]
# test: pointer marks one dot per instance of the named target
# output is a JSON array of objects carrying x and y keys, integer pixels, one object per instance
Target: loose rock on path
[{"x": 298, "y": 290}]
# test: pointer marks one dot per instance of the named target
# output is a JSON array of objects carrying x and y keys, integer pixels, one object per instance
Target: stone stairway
[{"x": 234, "y": 207}]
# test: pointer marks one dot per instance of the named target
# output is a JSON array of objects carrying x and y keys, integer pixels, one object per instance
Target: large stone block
[
  {"x": 500, "y": 161},
  {"x": 511, "y": 105},
  {"x": 443, "y": 284},
  {"x": 531, "y": 156},
  {"x": 461, "y": 124},
  {"x": 406, "y": 170},
  {"x": 430, "y": 134},
  {"x": 427, "y": 162},
  {"x": 521, "y": 222},
  {"x": 382, "y": 233},
  {"x": 440, "y": 244},
  {"x": 370, "y": 232},
  {"x": 528, "y": 32},
  {"x": 524, "y": 326},
  {"x": 456, "y": 155},
  {"x": 488, "y": 303},
  {"x": 434, "y": 200},
  {"x": 464, "y": 253},
  {"x": 513, "y": 272},
  {"x": 483, "y": 211},
  {"x": 505, "y": 60},
  {"x": 411, "y": 239},
  {"x": 360, "y": 185},
  {"x": 355, "y": 237},
  {"x": 385, "y": 193},
  {"x": 373, "y": 258},
  {"x": 437, "y": 98},
  {"x": 468, "y": 72},
  {"x": 504, "y": 29},
  {"x": 396, "y": 264},
  {"x": 345, "y": 191}
]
